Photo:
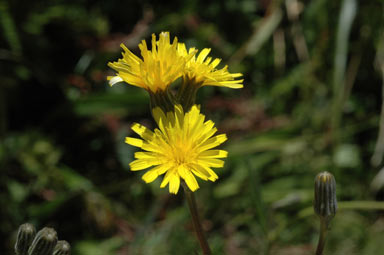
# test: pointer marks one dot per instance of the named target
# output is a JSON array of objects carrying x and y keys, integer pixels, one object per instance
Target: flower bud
[
  {"x": 325, "y": 203},
  {"x": 24, "y": 239},
  {"x": 44, "y": 242},
  {"x": 62, "y": 248},
  {"x": 163, "y": 99}
]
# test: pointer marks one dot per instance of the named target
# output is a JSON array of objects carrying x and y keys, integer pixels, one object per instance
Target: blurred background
[{"x": 312, "y": 101}]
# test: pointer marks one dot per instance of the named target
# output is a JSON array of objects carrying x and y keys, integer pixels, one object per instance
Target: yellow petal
[
  {"x": 166, "y": 179},
  {"x": 203, "y": 54},
  {"x": 142, "y": 131},
  {"x": 158, "y": 114},
  {"x": 215, "y": 62},
  {"x": 139, "y": 164},
  {"x": 198, "y": 174},
  {"x": 152, "y": 148},
  {"x": 181, "y": 170},
  {"x": 134, "y": 141},
  {"x": 150, "y": 176},
  {"x": 213, "y": 154},
  {"x": 199, "y": 171},
  {"x": 161, "y": 169},
  {"x": 211, "y": 162},
  {"x": 191, "y": 181},
  {"x": 212, "y": 142},
  {"x": 179, "y": 116},
  {"x": 182, "y": 50},
  {"x": 174, "y": 183},
  {"x": 212, "y": 175},
  {"x": 145, "y": 155}
]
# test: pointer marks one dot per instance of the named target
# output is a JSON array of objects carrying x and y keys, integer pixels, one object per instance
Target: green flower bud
[
  {"x": 24, "y": 239},
  {"x": 44, "y": 242},
  {"x": 62, "y": 248},
  {"x": 325, "y": 203}
]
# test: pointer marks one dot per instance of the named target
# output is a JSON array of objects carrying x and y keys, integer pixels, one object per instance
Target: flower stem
[
  {"x": 196, "y": 220},
  {"x": 323, "y": 233}
]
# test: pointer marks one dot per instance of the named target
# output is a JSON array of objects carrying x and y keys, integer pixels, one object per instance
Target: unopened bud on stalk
[
  {"x": 62, "y": 248},
  {"x": 44, "y": 242},
  {"x": 25, "y": 236},
  {"x": 325, "y": 203}
]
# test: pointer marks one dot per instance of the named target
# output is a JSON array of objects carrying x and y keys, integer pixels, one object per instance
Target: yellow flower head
[
  {"x": 158, "y": 67},
  {"x": 181, "y": 147},
  {"x": 203, "y": 70}
]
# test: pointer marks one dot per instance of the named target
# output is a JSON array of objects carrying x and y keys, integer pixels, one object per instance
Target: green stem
[
  {"x": 196, "y": 220},
  {"x": 323, "y": 233}
]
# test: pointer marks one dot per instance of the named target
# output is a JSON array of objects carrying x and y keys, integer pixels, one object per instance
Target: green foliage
[{"x": 311, "y": 102}]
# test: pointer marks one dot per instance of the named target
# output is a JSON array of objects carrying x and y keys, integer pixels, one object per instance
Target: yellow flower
[
  {"x": 158, "y": 67},
  {"x": 202, "y": 70},
  {"x": 180, "y": 148}
]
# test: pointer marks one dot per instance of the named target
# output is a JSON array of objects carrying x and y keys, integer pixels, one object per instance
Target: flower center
[{"x": 183, "y": 153}]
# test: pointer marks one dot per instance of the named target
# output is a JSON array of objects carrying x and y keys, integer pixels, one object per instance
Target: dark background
[{"x": 311, "y": 102}]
